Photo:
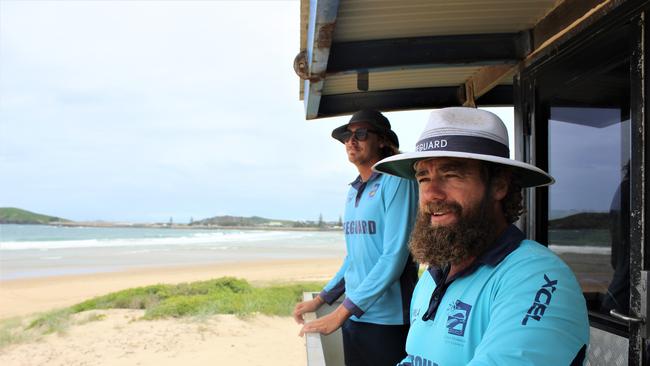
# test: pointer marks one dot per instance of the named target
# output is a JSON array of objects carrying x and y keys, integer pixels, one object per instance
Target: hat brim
[
  {"x": 338, "y": 132},
  {"x": 401, "y": 165}
]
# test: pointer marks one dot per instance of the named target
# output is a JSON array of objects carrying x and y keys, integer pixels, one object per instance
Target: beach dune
[
  {"x": 26, "y": 296},
  {"x": 118, "y": 339}
]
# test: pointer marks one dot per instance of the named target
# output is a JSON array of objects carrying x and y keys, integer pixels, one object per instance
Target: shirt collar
[
  {"x": 504, "y": 245},
  {"x": 358, "y": 182}
]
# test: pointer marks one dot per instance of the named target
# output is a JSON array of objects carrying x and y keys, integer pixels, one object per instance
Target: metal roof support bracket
[
  {"x": 484, "y": 80},
  {"x": 362, "y": 80},
  {"x": 469, "y": 95},
  {"x": 322, "y": 20}
]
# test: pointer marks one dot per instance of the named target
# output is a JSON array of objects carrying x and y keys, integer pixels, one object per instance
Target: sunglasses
[{"x": 360, "y": 134}]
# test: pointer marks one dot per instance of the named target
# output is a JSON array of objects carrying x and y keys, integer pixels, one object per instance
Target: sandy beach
[{"x": 117, "y": 339}]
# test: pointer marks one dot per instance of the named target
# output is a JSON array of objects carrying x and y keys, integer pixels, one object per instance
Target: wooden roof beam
[
  {"x": 560, "y": 18},
  {"x": 484, "y": 80}
]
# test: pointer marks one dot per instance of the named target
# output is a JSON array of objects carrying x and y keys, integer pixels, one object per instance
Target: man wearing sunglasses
[{"x": 377, "y": 275}]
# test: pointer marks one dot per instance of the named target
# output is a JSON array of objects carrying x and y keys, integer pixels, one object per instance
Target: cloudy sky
[{"x": 144, "y": 110}]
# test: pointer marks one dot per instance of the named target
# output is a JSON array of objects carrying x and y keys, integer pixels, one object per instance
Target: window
[{"x": 588, "y": 212}]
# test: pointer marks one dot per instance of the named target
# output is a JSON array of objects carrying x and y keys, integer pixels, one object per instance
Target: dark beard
[{"x": 469, "y": 237}]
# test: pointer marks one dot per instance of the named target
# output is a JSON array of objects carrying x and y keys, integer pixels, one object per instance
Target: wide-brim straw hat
[{"x": 468, "y": 133}]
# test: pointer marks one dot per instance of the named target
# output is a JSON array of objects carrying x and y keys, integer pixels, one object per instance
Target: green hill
[
  {"x": 583, "y": 220},
  {"x": 11, "y": 215},
  {"x": 242, "y": 221}
]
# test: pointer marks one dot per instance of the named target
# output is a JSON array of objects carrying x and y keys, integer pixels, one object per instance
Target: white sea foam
[
  {"x": 41, "y": 251},
  {"x": 140, "y": 251},
  {"x": 561, "y": 249},
  {"x": 198, "y": 239}
]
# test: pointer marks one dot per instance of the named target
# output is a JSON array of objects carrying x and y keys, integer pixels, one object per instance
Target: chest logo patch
[
  {"x": 415, "y": 314},
  {"x": 457, "y": 316},
  {"x": 373, "y": 191}
]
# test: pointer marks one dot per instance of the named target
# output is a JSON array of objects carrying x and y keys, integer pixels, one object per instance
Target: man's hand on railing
[
  {"x": 327, "y": 324},
  {"x": 309, "y": 306}
]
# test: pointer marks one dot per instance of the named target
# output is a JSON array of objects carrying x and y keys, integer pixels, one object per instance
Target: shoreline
[
  {"x": 26, "y": 296},
  {"x": 127, "y": 225}
]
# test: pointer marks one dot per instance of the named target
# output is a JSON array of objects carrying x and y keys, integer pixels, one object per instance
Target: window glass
[{"x": 588, "y": 214}]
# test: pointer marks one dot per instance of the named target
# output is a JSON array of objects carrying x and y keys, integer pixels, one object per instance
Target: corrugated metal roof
[{"x": 382, "y": 19}]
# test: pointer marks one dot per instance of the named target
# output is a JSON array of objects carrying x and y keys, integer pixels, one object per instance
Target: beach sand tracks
[{"x": 117, "y": 337}]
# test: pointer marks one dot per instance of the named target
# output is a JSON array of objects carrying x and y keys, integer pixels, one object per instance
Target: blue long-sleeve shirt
[{"x": 377, "y": 274}]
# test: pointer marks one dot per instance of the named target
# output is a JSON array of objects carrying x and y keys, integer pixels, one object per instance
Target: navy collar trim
[
  {"x": 504, "y": 245},
  {"x": 359, "y": 182}
]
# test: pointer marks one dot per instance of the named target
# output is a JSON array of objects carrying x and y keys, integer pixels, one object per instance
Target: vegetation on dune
[
  {"x": 11, "y": 215},
  {"x": 226, "y": 295}
]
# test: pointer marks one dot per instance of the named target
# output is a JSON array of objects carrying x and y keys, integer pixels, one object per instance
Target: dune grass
[
  {"x": 13, "y": 331},
  {"x": 226, "y": 295}
]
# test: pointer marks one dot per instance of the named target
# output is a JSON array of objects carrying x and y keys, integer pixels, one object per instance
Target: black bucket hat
[{"x": 373, "y": 118}]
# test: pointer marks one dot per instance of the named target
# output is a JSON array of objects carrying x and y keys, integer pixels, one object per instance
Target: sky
[
  {"x": 597, "y": 156},
  {"x": 143, "y": 111}
]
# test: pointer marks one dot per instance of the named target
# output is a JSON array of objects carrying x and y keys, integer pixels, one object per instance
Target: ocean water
[{"x": 31, "y": 251}]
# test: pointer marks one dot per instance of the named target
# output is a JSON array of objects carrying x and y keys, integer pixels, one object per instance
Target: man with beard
[
  {"x": 377, "y": 274},
  {"x": 489, "y": 296}
]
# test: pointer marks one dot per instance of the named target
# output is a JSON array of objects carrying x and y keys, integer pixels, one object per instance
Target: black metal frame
[
  {"x": 638, "y": 188},
  {"x": 532, "y": 116},
  {"x": 473, "y": 49}
]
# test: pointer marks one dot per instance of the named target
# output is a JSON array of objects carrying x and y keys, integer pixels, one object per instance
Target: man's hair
[
  {"x": 512, "y": 204},
  {"x": 388, "y": 149}
]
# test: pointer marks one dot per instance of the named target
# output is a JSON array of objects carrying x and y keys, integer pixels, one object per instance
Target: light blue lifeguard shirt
[
  {"x": 377, "y": 274},
  {"x": 520, "y": 304}
]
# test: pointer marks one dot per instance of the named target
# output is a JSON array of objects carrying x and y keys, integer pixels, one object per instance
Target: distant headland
[{"x": 12, "y": 215}]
